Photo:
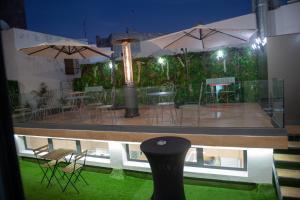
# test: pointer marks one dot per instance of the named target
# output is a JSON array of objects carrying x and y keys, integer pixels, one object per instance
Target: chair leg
[
  {"x": 181, "y": 116},
  {"x": 68, "y": 182},
  {"x": 83, "y": 179},
  {"x": 172, "y": 110},
  {"x": 74, "y": 187},
  {"x": 162, "y": 114},
  {"x": 45, "y": 174},
  {"x": 112, "y": 117},
  {"x": 198, "y": 117},
  {"x": 79, "y": 175}
]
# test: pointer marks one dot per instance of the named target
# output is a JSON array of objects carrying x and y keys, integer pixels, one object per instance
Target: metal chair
[
  {"x": 193, "y": 107},
  {"x": 44, "y": 166},
  {"x": 74, "y": 170},
  {"x": 96, "y": 96},
  {"x": 107, "y": 106},
  {"x": 166, "y": 101}
]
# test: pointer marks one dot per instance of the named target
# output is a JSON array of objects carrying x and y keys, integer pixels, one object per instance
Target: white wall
[
  {"x": 284, "y": 64},
  {"x": 30, "y": 71},
  {"x": 285, "y": 19}
]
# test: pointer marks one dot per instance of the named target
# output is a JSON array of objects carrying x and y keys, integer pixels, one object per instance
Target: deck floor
[{"x": 216, "y": 115}]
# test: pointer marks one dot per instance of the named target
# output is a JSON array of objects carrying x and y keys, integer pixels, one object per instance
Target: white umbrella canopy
[
  {"x": 66, "y": 49},
  {"x": 203, "y": 38}
]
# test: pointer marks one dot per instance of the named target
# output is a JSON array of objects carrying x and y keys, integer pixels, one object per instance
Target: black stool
[{"x": 166, "y": 156}]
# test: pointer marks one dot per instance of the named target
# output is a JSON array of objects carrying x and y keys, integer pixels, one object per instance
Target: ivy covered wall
[{"x": 240, "y": 63}]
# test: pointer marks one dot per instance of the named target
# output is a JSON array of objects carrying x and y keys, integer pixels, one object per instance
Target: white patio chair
[
  {"x": 192, "y": 108},
  {"x": 166, "y": 103},
  {"x": 107, "y": 106}
]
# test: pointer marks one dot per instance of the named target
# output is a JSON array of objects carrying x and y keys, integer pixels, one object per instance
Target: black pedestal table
[{"x": 166, "y": 156}]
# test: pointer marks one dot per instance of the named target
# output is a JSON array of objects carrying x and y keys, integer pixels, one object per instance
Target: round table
[{"x": 166, "y": 157}]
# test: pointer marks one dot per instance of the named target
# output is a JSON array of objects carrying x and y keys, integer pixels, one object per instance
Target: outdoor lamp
[
  {"x": 161, "y": 60},
  {"x": 110, "y": 65},
  {"x": 130, "y": 93},
  {"x": 221, "y": 55}
]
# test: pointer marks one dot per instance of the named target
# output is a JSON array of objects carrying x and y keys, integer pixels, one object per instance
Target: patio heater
[{"x": 131, "y": 101}]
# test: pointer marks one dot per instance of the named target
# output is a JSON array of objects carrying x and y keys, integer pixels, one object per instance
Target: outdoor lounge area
[{"x": 148, "y": 101}]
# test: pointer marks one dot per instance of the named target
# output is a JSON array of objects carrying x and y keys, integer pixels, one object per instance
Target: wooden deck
[{"x": 217, "y": 115}]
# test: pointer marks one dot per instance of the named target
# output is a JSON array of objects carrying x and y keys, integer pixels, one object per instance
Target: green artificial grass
[{"x": 103, "y": 185}]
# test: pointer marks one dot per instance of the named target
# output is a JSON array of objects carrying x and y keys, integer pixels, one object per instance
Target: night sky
[{"x": 102, "y": 17}]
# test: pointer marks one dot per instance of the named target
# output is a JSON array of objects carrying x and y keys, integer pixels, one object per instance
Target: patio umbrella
[
  {"x": 66, "y": 49},
  {"x": 203, "y": 38}
]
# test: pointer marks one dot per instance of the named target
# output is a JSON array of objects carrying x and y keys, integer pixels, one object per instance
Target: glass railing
[{"x": 257, "y": 103}]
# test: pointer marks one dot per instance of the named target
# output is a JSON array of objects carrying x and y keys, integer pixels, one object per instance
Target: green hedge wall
[{"x": 241, "y": 63}]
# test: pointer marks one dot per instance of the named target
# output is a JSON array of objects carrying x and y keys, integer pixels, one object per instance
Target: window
[
  {"x": 34, "y": 142},
  {"x": 134, "y": 153},
  {"x": 64, "y": 144},
  {"x": 69, "y": 67},
  {"x": 223, "y": 158},
  {"x": 95, "y": 148},
  {"x": 233, "y": 159},
  {"x": 191, "y": 157}
]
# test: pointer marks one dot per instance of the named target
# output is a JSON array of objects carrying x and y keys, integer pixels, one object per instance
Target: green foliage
[
  {"x": 42, "y": 94},
  {"x": 240, "y": 63}
]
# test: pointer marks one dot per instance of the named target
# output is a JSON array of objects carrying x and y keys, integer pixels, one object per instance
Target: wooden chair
[{"x": 74, "y": 170}]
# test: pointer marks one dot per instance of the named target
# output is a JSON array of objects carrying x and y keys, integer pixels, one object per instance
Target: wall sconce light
[{"x": 259, "y": 43}]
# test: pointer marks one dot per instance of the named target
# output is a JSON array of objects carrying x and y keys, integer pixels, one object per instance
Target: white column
[{"x": 116, "y": 154}]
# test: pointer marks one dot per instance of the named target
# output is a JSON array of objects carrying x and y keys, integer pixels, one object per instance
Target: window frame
[
  {"x": 50, "y": 144},
  {"x": 200, "y": 161}
]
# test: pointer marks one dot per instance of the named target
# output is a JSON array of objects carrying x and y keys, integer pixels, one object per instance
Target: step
[
  {"x": 290, "y": 158},
  {"x": 293, "y": 129},
  {"x": 288, "y": 173},
  {"x": 288, "y": 177},
  {"x": 287, "y": 165},
  {"x": 294, "y": 145},
  {"x": 287, "y": 151},
  {"x": 290, "y": 192}
]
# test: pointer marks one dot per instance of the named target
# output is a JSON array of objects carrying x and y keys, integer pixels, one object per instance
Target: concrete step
[
  {"x": 288, "y": 177},
  {"x": 294, "y": 145},
  {"x": 293, "y": 129},
  {"x": 289, "y": 158},
  {"x": 294, "y": 148},
  {"x": 287, "y": 151},
  {"x": 287, "y": 165},
  {"x": 288, "y": 173},
  {"x": 290, "y": 192}
]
